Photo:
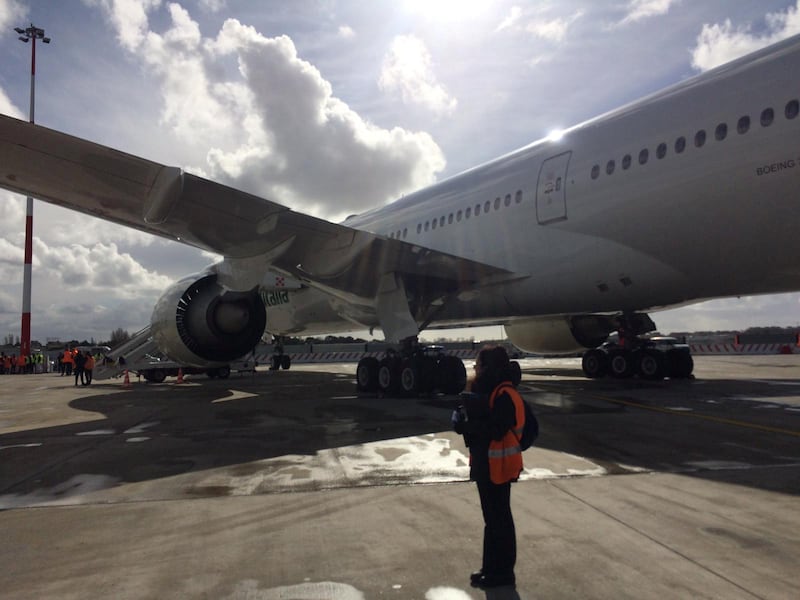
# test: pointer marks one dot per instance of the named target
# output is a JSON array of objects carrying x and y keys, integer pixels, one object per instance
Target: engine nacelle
[
  {"x": 196, "y": 322},
  {"x": 561, "y": 335}
]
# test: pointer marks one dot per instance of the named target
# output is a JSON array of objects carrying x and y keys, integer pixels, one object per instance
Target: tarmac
[{"x": 290, "y": 485}]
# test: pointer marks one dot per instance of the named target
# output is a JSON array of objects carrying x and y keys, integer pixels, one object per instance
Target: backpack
[{"x": 530, "y": 431}]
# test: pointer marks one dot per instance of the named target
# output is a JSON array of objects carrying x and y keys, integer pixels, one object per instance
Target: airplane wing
[{"x": 165, "y": 201}]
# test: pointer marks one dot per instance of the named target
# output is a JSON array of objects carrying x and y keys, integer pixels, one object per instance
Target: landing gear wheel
[
  {"x": 388, "y": 375},
  {"x": 594, "y": 364},
  {"x": 223, "y": 372},
  {"x": 620, "y": 364},
  {"x": 367, "y": 374},
  {"x": 275, "y": 363},
  {"x": 409, "y": 378},
  {"x": 651, "y": 365},
  {"x": 454, "y": 375},
  {"x": 286, "y": 362},
  {"x": 516, "y": 372},
  {"x": 681, "y": 365}
]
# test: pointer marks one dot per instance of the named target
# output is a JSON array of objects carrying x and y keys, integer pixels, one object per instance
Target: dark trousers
[{"x": 499, "y": 535}]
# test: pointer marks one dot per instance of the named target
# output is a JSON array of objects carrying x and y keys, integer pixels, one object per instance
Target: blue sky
[{"x": 331, "y": 108}]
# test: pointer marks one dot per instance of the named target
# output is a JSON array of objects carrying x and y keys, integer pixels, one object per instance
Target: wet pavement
[{"x": 289, "y": 485}]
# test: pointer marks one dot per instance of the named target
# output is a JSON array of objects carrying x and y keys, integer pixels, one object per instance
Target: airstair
[{"x": 122, "y": 357}]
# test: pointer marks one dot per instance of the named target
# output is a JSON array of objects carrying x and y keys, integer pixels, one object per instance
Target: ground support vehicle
[
  {"x": 158, "y": 371},
  {"x": 650, "y": 358}
]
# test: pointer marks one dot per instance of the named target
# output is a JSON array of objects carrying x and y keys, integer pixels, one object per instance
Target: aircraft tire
[
  {"x": 651, "y": 365},
  {"x": 408, "y": 378},
  {"x": 388, "y": 375},
  {"x": 367, "y": 374},
  {"x": 620, "y": 364},
  {"x": 223, "y": 372},
  {"x": 454, "y": 375},
  {"x": 681, "y": 365},
  {"x": 594, "y": 363},
  {"x": 516, "y": 373},
  {"x": 286, "y": 362}
]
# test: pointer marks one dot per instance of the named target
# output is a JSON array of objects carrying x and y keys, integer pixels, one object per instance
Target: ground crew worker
[
  {"x": 88, "y": 368},
  {"x": 21, "y": 364},
  {"x": 80, "y": 360},
  {"x": 491, "y": 421},
  {"x": 68, "y": 362}
]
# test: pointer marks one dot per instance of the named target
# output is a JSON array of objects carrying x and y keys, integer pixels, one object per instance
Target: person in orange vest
[
  {"x": 21, "y": 363},
  {"x": 68, "y": 362},
  {"x": 491, "y": 421},
  {"x": 88, "y": 368}
]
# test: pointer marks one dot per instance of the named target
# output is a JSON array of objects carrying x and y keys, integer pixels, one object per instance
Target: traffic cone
[
  {"x": 127, "y": 382},
  {"x": 180, "y": 375}
]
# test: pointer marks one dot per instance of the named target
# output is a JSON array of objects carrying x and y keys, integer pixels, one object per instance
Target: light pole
[{"x": 29, "y": 34}]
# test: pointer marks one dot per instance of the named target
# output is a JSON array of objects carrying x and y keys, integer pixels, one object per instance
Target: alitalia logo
[{"x": 275, "y": 298}]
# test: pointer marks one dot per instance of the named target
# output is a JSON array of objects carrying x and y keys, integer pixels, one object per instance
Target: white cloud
[
  {"x": 644, "y": 9},
  {"x": 7, "y": 107},
  {"x": 10, "y": 12},
  {"x": 721, "y": 43},
  {"x": 346, "y": 32},
  {"x": 408, "y": 69},
  {"x": 129, "y": 18},
  {"x": 274, "y": 127},
  {"x": 511, "y": 19},
  {"x": 213, "y": 5}
]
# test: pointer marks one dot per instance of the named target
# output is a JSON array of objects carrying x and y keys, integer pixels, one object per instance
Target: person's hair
[{"x": 495, "y": 368}]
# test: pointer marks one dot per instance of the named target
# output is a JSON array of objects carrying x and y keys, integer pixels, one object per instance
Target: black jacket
[{"x": 483, "y": 426}]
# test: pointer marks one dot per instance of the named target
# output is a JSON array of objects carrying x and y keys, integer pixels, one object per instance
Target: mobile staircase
[{"x": 121, "y": 358}]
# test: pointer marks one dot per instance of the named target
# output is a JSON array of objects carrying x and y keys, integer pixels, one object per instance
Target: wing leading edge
[{"x": 164, "y": 201}]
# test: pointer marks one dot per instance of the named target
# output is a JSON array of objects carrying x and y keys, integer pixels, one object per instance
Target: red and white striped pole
[{"x": 31, "y": 34}]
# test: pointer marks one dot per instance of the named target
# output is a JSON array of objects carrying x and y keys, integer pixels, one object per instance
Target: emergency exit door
[{"x": 551, "y": 198}]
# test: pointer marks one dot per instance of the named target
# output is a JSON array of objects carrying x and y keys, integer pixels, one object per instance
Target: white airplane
[{"x": 689, "y": 194}]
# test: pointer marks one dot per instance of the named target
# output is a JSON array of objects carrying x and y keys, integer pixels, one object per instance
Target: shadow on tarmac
[{"x": 616, "y": 424}]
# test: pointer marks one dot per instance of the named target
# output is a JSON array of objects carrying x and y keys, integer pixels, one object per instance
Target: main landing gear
[
  {"x": 411, "y": 371},
  {"x": 650, "y": 358}
]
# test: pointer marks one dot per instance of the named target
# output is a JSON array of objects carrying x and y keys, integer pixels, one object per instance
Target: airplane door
[{"x": 551, "y": 201}]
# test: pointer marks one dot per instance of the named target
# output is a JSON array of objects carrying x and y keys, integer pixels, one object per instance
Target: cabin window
[
  {"x": 427, "y": 225},
  {"x": 497, "y": 203},
  {"x": 661, "y": 151},
  {"x": 700, "y": 138},
  {"x": 643, "y": 156},
  {"x": 518, "y": 197},
  {"x": 792, "y": 108},
  {"x": 467, "y": 213},
  {"x": 477, "y": 210},
  {"x": 487, "y": 206},
  {"x": 433, "y": 224},
  {"x": 680, "y": 145},
  {"x": 419, "y": 227},
  {"x": 595, "y": 171},
  {"x": 450, "y": 219},
  {"x": 626, "y": 162},
  {"x": 459, "y": 214},
  {"x": 441, "y": 221},
  {"x": 721, "y": 132},
  {"x": 767, "y": 116},
  {"x": 743, "y": 125},
  {"x": 610, "y": 167},
  {"x": 507, "y": 201}
]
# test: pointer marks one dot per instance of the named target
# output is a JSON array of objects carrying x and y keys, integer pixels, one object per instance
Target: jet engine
[
  {"x": 562, "y": 334},
  {"x": 197, "y": 322}
]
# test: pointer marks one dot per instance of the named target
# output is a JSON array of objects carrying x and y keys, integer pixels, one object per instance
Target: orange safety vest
[
  {"x": 505, "y": 456},
  {"x": 89, "y": 363},
  {"x": 67, "y": 358}
]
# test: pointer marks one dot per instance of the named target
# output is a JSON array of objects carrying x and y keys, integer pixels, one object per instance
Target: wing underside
[{"x": 164, "y": 201}]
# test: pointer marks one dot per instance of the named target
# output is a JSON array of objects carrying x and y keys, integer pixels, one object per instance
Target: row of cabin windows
[
  {"x": 461, "y": 214},
  {"x": 720, "y": 133}
]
